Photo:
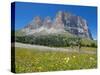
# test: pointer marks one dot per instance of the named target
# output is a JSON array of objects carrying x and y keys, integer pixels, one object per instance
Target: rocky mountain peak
[
  {"x": 37, "y": 22},
  {"x": 62, "y": 21},
  {"x": 47, "y": 22}
]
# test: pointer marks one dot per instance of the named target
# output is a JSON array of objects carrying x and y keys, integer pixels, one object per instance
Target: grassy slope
[
  {"x": 19, "y": 33},
  {"x": 34, "y": 60},
  {"x": 56, "y": 39}
]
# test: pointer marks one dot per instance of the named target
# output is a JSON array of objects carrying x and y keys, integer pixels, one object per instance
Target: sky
[{"x": 25, "y": 12}]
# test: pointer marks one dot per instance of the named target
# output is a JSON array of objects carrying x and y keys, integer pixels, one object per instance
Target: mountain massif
[{"x": 63, "y": 22}]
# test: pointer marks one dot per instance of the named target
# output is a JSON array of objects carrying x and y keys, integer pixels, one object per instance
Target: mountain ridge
[{"x": 63, "y": 22}]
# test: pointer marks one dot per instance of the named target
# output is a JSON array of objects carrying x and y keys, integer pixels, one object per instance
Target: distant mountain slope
[{"x": 63, "y": 23}]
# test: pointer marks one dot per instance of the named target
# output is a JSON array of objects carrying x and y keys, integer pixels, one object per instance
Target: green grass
[
  {"x": 33, "y": 60},
  {"x": 88, "y": 48}
]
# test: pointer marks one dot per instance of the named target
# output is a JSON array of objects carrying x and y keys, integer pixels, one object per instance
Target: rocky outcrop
[
  {"x": 47, "y": 22},
  {"x": 58, "y": 21},
  {"x": 63, "y": 21},
  {"x": 35, "y": 23}
]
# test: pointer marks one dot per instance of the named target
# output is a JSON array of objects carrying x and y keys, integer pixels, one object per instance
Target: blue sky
[{"x": 25, "y": 12}]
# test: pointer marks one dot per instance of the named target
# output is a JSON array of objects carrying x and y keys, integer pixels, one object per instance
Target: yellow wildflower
[
  {"x": 66, "y": 59},
  {"x": 74, "y": 56},
  {"x": 91, "y": 58}
]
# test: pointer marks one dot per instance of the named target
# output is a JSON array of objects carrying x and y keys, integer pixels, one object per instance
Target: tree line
[{"x": 56, "y": 40}]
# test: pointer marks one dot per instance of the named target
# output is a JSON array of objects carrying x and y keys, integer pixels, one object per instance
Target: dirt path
[{"x": 45, "y": 48}]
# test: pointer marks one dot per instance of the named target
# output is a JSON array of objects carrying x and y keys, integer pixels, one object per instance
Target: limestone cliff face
[
  {"x": 35, "y": 23},
  {"x": 47, "y": 22},
  {"x": 62, "y": 22}
]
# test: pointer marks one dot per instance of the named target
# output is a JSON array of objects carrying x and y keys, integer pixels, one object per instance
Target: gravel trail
[{"x": 45, "y": 48}]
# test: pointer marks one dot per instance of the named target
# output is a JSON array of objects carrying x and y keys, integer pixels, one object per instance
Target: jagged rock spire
[
  {"x": 35, "y": 23},
  {"x": 47, "y": 22},
  {"x": 58, "y": 21}
]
